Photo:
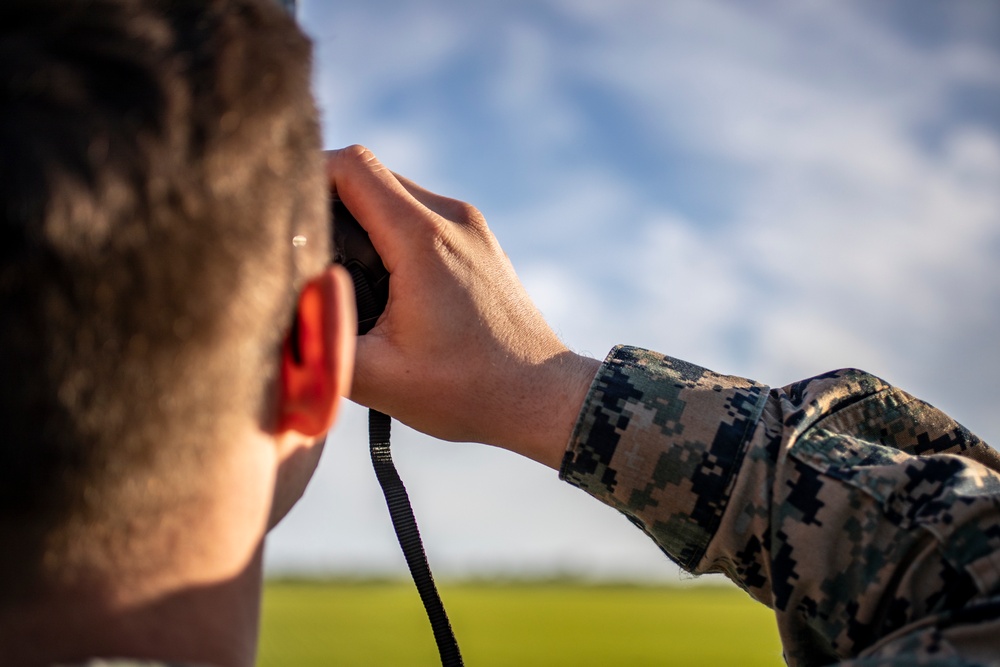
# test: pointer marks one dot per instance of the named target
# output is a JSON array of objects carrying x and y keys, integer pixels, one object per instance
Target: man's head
[{"x": 156, "y": 160}]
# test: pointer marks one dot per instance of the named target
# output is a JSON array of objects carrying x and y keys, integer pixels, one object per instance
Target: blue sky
[{"x": 770, "y": 189}]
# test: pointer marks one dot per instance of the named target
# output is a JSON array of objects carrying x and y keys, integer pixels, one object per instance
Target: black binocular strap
[
  {"x": 396, "y": 498},
  {"x": 408, "y": 535}
]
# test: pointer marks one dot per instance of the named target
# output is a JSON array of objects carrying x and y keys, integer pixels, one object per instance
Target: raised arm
[{"x": 868, "y": 520}]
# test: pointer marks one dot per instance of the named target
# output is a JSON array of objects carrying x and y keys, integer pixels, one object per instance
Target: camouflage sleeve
[{"x": 867, "y": 520}]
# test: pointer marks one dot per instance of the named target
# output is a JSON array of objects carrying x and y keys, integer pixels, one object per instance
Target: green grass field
[{"x": 372, "y": 624}]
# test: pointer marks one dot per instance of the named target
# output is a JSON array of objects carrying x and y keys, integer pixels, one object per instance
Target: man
[
  {"x": 158, "y": 158},
  {"x": 165, "y": 413}
]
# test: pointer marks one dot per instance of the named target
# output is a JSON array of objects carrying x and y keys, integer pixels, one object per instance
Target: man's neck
[{"x": 205, "y": 624}]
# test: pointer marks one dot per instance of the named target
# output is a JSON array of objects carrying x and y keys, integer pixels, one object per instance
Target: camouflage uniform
[{"x": 866, "y": 519}]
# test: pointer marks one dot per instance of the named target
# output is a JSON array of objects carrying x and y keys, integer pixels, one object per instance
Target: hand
[{"x": 461, "y": 352}]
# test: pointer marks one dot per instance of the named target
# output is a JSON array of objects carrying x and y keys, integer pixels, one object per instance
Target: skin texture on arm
[{"x": 461, "y": 353}]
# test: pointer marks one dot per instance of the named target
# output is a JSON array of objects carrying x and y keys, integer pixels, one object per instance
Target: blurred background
[{"x": 768, "y": 189}]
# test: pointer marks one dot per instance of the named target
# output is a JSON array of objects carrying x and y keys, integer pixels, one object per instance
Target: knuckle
[
  {"x": 469, "y": 215},
  {"x": 357, "y": 153}
]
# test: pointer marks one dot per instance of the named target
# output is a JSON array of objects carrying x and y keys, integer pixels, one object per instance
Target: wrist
[{"x": 546, "y": 405}]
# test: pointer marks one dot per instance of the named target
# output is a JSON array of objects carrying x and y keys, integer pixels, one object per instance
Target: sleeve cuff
[{"x": 661, "y": 440}]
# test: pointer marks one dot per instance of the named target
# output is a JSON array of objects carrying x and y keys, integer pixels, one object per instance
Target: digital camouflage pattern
[{"x": 866, "y": 519}]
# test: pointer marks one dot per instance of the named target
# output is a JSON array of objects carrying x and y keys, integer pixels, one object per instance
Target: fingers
[
  {"x": 377, "y": 198},
  {"x": 385, "y": 199},
  {"x": 452, "y": 210},
  {"x": 355, "y": 172}
]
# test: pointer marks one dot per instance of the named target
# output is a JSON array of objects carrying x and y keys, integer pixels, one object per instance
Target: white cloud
[
  {"x": 857, "y": 222},
  {"x": 848, "y": 217}
]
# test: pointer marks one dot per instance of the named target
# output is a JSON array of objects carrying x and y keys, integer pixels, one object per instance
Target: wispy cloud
[{"x": 767, "y": 188}]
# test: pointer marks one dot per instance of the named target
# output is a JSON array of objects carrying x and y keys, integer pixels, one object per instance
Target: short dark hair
[{"x": 156, "y": 159}]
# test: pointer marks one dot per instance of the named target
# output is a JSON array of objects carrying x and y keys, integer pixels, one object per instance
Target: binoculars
[{"x": 354, "y": 251}]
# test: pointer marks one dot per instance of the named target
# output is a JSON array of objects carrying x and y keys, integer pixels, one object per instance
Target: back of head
[{"x": 156, "y": 158}]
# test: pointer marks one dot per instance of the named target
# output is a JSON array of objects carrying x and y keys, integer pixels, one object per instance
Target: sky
[{"x": 768, "y": 189}]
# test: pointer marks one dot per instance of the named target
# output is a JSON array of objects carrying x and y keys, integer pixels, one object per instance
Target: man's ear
[{"x": 317, "y": 359}]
